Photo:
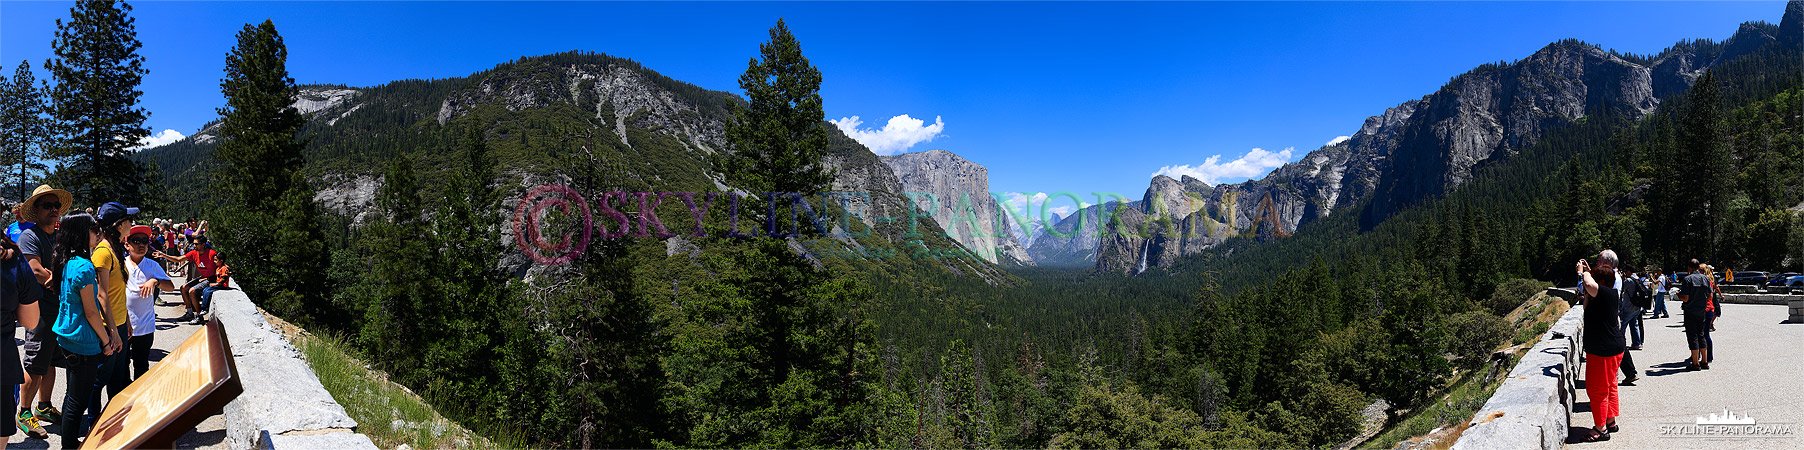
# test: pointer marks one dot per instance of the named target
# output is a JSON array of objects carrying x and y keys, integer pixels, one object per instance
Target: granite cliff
[
  {"x": 957, "y": 193},
  {"x": 1419, "y": 149}
]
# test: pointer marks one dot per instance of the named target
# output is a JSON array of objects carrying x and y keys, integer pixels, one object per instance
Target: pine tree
[
  {"x": 97, "y": 119},
  {"x": 23, "y": 127},
  {"x": 467, "y": 227},
  {"x": 778, "y": 141},
  {"x": 270, "y": 218},
  {"x": 398, "y": 283},
  {"x": 1704, "y": 172}
]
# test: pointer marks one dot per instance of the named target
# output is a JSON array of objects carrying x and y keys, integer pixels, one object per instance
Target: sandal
[
  {"x": 1613, "y": 428},
  {"x": 1592, "y": 435}
]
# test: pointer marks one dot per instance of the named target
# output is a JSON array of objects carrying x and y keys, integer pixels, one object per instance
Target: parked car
[
  {"x": 1752, "y": 277},
  {"x": 1796, "y": 281},
  {"x": 1780, "y": 279}
]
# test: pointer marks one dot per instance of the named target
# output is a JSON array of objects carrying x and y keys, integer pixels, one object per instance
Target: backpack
[{"x": 1640, "y": 296}]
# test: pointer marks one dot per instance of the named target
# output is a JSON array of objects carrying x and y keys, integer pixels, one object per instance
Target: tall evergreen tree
[
  {"x": 398, "y": 281},
  {"x": 270, "y": 219},
  {"x": 468, "y": 229},
  {"x": 1704, "y": 171},
  {"x": 778, "y": 141},
  {"x": 97, "y": 119},
  {"x": 24, "y": 128}
]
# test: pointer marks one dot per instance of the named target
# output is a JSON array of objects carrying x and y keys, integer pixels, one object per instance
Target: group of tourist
[
  {"x": 82, "y": 285},
  {"x": 1617, "y": 301}
]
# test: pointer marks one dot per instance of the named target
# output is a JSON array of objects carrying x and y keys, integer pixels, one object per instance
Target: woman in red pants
[{"x": 1603, "y": 348}]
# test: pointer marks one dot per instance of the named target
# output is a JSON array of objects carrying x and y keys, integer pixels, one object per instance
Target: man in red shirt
[{"x": 205, "y": 262}]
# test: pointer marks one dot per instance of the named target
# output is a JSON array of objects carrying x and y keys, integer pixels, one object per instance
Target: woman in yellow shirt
[{"x": 110, "y": 272}]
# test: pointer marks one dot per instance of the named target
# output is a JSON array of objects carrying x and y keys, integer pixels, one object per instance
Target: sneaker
[
  {"x": 28, "y": 423},
  {"x": 1630, "y": 381},
  {"x": 186, "y": 316},
  {"x": 48, "y": 413},
  {"x": 198, "y": 320}
]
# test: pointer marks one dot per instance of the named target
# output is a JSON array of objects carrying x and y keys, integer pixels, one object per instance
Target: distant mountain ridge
[
  {"x": 547, "y": 118},
  {"x": 1419, "y": 149}
]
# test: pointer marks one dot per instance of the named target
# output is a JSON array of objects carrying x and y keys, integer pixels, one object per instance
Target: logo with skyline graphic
[
  {"x": 1729, "y": 425},
  {"x": 1727, "y": 418}
]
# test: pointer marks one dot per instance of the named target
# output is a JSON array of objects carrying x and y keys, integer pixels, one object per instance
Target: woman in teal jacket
[{"x": 80, "y": 326}]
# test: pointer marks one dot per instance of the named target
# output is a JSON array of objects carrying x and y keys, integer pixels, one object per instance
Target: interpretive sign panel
[{"x": 193, "y": 382}]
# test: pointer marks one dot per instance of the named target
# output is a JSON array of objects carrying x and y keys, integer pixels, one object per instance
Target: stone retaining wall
[
  {"x": 1797, "y": 311},
  {"x": 1533, "y": 406},
  {"x": 284, "y": 405},
  {"x": 1761, "y": 299}
]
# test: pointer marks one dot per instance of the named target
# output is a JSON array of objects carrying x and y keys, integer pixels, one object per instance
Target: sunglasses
[
  {"x": 50, "y": 206},
  {"x": 137, "y": 241}
]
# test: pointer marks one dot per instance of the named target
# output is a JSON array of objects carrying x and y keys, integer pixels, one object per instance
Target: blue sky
[{"x": 1080, "y": 97}]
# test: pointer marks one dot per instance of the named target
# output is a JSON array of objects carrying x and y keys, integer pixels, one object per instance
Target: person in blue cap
[{"x": 109, "y": 262}]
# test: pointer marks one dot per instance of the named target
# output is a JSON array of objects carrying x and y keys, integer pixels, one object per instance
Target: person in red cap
[
  {"x": 146, "y": 278},
  {"x": 204, "y": 260}
]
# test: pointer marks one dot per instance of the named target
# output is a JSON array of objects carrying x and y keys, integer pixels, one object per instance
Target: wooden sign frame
[{"x": 191, "y": 383}]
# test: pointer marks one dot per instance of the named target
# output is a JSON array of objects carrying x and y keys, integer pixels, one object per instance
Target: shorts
[
  {"x": 1697, "y": 331},
  {"x": 35, "y": 340}
]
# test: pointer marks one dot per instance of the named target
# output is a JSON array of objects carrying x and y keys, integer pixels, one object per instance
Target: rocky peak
[
  {"x": 1791, "y": 25},
  {"x": 960, "y": 200},
  {"x": 1425, "y": 147},
  {"x": 619, "y": 92}
]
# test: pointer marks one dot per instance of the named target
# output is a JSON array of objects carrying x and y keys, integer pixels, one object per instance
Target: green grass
[
  {"x": 378, "y": 404},
  {"x": 1531, "y": 334}
]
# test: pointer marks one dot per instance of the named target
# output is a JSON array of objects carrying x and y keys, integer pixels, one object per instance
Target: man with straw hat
[{"x": 44, "y": 207}]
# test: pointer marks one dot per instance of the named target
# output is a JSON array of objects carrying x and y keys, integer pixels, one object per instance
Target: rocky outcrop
[
  {"x": 956, "y": 192},
  {"x": 314, "y": 99},
  {"x": 351, "y": 196},
  {"x": 1421, "y": 148},
  {"x": 620, "y": 93},
  {"x": 1072, "y": 240},
  {"x": 1190, "y": 216}
]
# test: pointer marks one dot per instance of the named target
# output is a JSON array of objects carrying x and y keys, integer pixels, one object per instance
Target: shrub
[
  {"x": 1511, "y": 294},
  {"x": 1474, "y": 334}
]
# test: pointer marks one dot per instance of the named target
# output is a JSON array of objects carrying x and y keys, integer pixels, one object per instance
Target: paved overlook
[
  {"x": 1751, "y": 398},
  {"x": 1758, "y": 375}
]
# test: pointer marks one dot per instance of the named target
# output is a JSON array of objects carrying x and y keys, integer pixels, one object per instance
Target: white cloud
[
  {"x": 896, "y": 136},
  {"x": 1337, "y": 140},
  {"x": 1033, "y": 206},
  {"x": 1019, "y": 201},
  {"x": 1255, "y": 163},
  {"x": 160, "y": 139}
]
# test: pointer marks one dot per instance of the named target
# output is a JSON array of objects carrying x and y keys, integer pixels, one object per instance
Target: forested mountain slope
[{"x": 1420, "y": 149}]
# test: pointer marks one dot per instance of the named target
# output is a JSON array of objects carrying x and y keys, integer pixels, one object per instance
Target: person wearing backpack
[
  {"x": 1627, "y": 289},
  {"x": 1640, "y": 298}
]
